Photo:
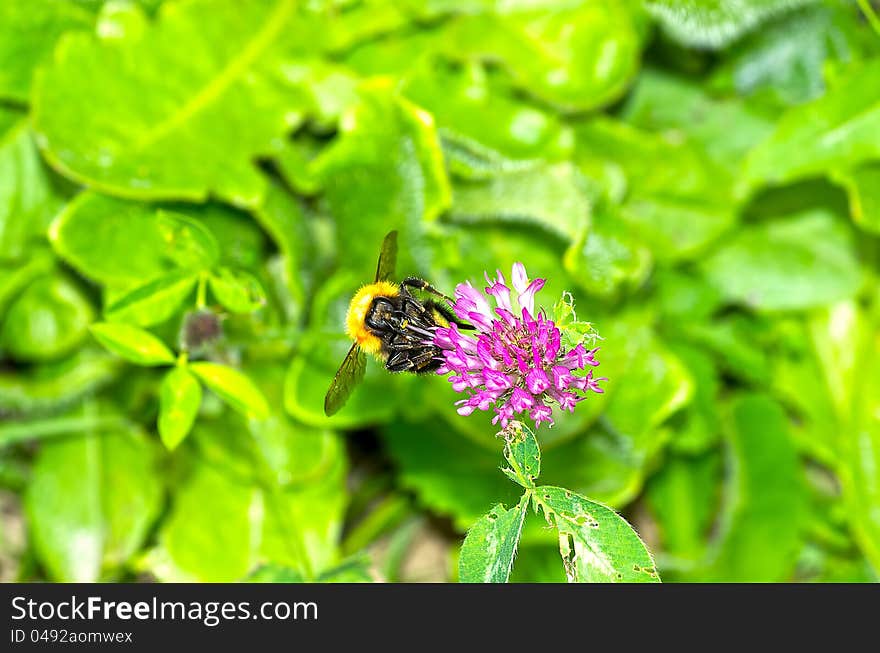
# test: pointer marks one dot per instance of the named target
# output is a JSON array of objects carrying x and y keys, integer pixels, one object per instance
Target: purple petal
[
  {"x": 497, "y": 381},
  {"x": 520, "y": 400},
  {"x": 526, "y": 297},
  {"x": 519, "y": 277},
  {"x": 541, "y": 413},
  {"x": 537, "y": 381},
  {"x": 562, "y": 377}
]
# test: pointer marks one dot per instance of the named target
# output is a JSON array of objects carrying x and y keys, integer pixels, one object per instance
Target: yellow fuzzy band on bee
[{"x": 357, "y": 314}]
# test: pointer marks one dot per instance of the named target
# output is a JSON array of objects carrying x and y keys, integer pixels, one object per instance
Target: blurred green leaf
[
  {"x": 180, "y": 396},
  {"x": 354, "y": 570},
  {"x": 29, "y": 196},
  {"x": 789, "y": 263},
  {"x": 466, "y": 485},
  {"x": 597, "y": 545},
  {"x": 47, "y": 320},
  {"x": 122, "y": 243},
  {"x": 236, "y": 290},
  {"x": 483, "y": 130},
  {"x": 684, "y": 108},
  {"x": 90, "y": 503},
  {"x": 701, "y": 424},
  {"x": 683, "y": 497},
  {"x": 608, "y": 255},
  {"x": 838, "y": 130},
  {"x": 58, "y": 383},
  {"x": 678, "y": 208},
  {"x": 848, "y": 342},
  {"x": 765, "y": 510},
  {"x": 154, "y": 302},
  {"x": 578, "y": 57},
  {"x": 28, "y": 34},
  {"x": 785, "y": 59},
  {"x": 233, "y": 387},
  {"x": 209, "y": 509},
  {"x": 162, "y": 146},
  {"x": 133, "y": 344},
  {"x": 715, "y": 23},
  {"x": 862, "y": 185},
  {"x": 490, "y": 546},
  {"x": 552, "y": 197},
  {"x": 365, "y": 191}
]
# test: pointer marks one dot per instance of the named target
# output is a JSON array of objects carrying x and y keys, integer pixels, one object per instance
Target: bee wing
[
  {"x": 349, "y": 374},
  {"x": 385, "y": 270}
]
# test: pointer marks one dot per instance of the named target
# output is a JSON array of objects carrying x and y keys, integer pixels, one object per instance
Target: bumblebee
[{"x": 385, "y": 319}]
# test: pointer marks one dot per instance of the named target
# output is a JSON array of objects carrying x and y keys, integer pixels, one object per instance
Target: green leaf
[
  {"x": 596, "y": 544},
  {"x": 484, "y": 131},
  {"x": 490, "y": 546},
  {"x": 270, "y": 492},
  {"x": 283, "y": 218},
  {"x": 180, "y": 396},
  {"x": 790, "y": 263},
  {"x": 50, "y": 386},
  {"x": 862, "y": 185},
  {"x": 839, "y": 130},
  {"x": 715, "y": 23},
  {"x": 551, "y": 197},
  {"x": 465, "y": 484},
  {"x": 209, "y": 535},
  {"x": 859, "y": 363},
  {"x": 545, "y": 51},
  {"x": 683, "y": 497},
  {"x": 522, "y": 454},
  {"x": 47, "y": 320},
  {"x": 186, "y": 241},
  {"x": 608, "y": 256},
  {"x": 28, "y": 34},
  {"x": 685, "y": 108},
  {"x": 354, "y": 570},
  {"x": 677, "y": 209},
  {"x": 133, "y": 344},
  {"x": 365, "y": 192},
  {"x": 28, "y": 196},
  {"x": 785, "y": 59},
  {"x": 647, "y": 384},
  {"x": 237, "y": 290},
  {"x": 766, "y": 505},
  {"x": 90, "y": 503},
  {"x": 120, "y": 243},
  {"x": 228, "y": 73},
  {"x": 701, "y": 424},
  {"x": 233, "y": 387},
  {"x": 154, "y": 302}
]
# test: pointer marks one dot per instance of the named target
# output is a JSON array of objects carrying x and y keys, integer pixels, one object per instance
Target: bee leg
[
  {"x": 409, "y": 361},
  {"x": 421, "y": 284}
]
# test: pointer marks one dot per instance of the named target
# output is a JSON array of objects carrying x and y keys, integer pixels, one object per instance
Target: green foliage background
[{"x": 704, "y": 177}]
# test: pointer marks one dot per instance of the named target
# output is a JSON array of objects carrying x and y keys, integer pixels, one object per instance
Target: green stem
[
  {"x": 202, "y": 291},
  {"x": 870, "y": 15}
]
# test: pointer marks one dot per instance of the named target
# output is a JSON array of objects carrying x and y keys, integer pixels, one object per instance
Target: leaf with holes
[
  {"x": 490, "y": 546},
  {"x": 597, "y": 545},
  {"x": 522, "y": 453}
]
